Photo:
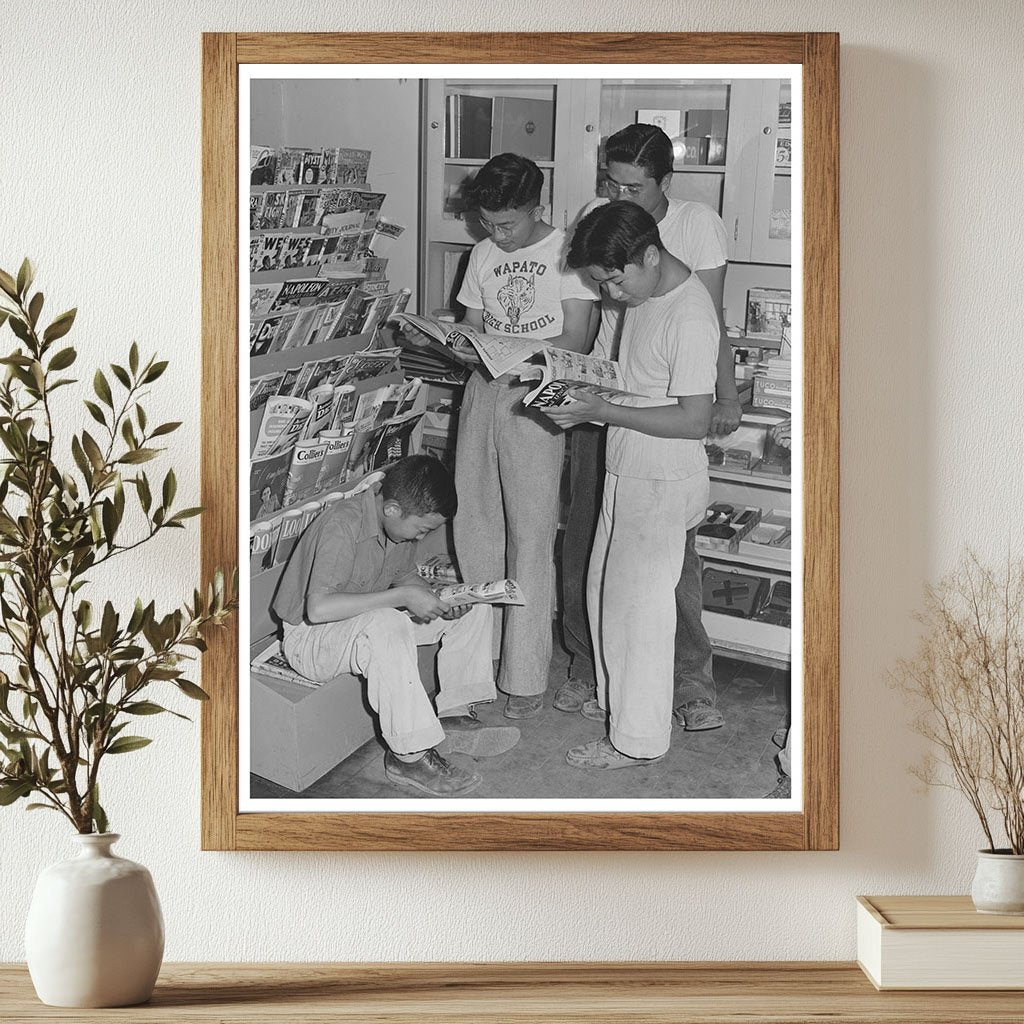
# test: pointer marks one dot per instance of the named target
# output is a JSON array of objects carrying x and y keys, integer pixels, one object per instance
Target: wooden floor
[{"x": 618, "y": 993}]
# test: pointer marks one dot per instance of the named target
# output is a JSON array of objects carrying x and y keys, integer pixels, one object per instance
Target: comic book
[
  {"x": 353, "y": 165},
  {"x": 289, "y": 165},
  {"x": 294, "y": 205},
  {"x": 297, "y": 293},
  {"x": 271, "y": 215},
  {"x": 273, "y": 663},
  {"x": 262, "y": 388},
  {"x": 261, "y": 299},
  {"x": 262, "y": 164},
  {"x": 564, "y": 371},
  {"x": 498, "y": 592},
  {"x": 255, "y": 209}
]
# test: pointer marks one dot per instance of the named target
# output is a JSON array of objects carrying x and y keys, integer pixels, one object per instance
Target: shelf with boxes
[{"x": 745, "y": 543}]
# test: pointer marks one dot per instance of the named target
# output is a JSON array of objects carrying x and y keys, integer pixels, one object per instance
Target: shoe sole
[
  {"x": 634, "y": 762},
  {"x": 489, "y": 741},
  {"x": 568, "y": 708},
  {"x": 403, "y": 780},
  {"x": 519, "y": 715},
  {"x": 680, "y": 720}
]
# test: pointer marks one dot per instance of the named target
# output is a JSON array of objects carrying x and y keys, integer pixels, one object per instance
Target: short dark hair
[
  {"x": 644, "y": 145},
  {"x": 421, "y": 486},
  {"x": 613, "y": 236},
  {"x": 506, "y": 182}
]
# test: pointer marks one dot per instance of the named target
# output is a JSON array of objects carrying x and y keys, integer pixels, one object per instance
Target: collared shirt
[{"x": 343, "y": 551}]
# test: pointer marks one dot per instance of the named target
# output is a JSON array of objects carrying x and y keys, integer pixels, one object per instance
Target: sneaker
[
  {"x": 524, "y": 707},
  {"x": 592, "y": 710},
  {"x": 572, "y": 694},
  {"x": 466, "y": 734},
  {"x": 602, "y": 756},
  {"x": 430, "y": 774},
  {"x": 698, "y": 715},
  {"x": 783, "y": 791}
]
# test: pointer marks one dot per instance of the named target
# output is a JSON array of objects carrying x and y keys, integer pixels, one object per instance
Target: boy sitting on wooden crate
[{"x": 350, "y": 600}]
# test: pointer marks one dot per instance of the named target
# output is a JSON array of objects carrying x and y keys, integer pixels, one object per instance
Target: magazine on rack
[
  {"x": 564, "y": 371},
  {"x": 498, "y": 352},
  {"x": 498, "y": 592}
]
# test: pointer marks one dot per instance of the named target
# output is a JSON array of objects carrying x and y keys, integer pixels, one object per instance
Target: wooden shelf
[
  {"x": 469, "y": 161},
  {"x": 766, "y": 557},
  {"x": 522, "y": 993},
  {"x": 698, "y": 168},
  {"x": 775, "y": 483}
]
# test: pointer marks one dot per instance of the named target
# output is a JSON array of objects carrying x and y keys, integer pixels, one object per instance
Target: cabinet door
[
  {"x": 756, "y": 208},
  {"x": 771, "y": 235},
  {"x": 466, "y": 121}
]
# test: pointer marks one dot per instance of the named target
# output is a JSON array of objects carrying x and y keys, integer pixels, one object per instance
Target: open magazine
[
  {"x": 498, "y": 592},
  {"x": 498, "y": 352},
  {"x": 564, "y": 371}
]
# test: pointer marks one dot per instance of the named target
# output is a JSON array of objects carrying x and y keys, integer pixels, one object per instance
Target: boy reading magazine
[
  {"x": 350, "y": 600},
  {"x": 656, "y": 476}
]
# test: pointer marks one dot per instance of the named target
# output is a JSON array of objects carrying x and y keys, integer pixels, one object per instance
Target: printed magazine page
[
  {"x": 498, "y": 592},
  {"x": 564, "y": 370},
  {"x": 498, "y": 352}
]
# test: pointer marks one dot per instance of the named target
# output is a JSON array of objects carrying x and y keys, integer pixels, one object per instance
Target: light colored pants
[
  {"x": 381, "y": 645},
  {"x": 635, "y": 566},
  {"x": 508, "y": 466},
  {"x": 784, "y": 763}
]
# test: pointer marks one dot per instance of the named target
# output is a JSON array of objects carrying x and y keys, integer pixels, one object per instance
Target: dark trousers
[{"x": 692, "y": 674}]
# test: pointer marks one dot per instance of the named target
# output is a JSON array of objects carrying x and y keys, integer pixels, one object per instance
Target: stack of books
[{"x": 773, "y": 384}]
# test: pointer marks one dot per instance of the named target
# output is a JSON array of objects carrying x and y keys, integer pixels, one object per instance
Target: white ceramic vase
[
  {"x": 95, "y": 934},
  {"x": 999, "y": 883}
]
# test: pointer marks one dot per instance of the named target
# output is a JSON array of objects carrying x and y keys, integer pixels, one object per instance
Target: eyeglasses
[
  {"x": 617, "y": 189},
  {"x": 504, "y": 230}
]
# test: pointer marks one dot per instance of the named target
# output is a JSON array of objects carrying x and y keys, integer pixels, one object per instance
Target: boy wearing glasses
[
  {"x": 639, "y": 170},
  {"x": 656, "y": 476},
  {"x": 508, "y": 459}
]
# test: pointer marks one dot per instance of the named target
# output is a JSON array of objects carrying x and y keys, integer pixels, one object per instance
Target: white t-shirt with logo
[
  {"x": 690, "y": 231},
  {"x": 521, "y": 292},
  {"x": 669, "y": 350}
]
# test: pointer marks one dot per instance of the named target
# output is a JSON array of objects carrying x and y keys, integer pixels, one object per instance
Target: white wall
[{"x": 100, "y": 130}]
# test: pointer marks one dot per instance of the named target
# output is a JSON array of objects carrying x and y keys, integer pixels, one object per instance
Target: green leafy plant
[
  {"x": 74, "y": 675},
  {"x": 967, "y": 682}
]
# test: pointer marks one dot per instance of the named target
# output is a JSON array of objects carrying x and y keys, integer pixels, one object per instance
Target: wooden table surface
[{"x": 564, "y": 993}]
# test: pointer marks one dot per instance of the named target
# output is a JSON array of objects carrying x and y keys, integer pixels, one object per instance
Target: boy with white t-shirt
[
  {"x": 656, "y": 475},
  {"x": 508, "y": 459},
  {"x": 639, "y": 170}
]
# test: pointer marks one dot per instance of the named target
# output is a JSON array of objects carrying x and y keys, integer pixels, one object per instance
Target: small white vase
[
  {"x": 95, "y": 934},
  {"x": 999, "y": 883}
]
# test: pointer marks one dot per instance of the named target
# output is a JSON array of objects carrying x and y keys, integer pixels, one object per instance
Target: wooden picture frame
[{"x": 816, "y": 826}]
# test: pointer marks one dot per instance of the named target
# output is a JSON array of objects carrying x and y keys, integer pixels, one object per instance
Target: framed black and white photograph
[{"x": 520, "y": 384}]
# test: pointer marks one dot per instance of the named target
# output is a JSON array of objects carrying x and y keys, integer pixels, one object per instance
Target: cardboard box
[
  {"x": 299, "y": 733},
  {"x": 772, "y": 394}
]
